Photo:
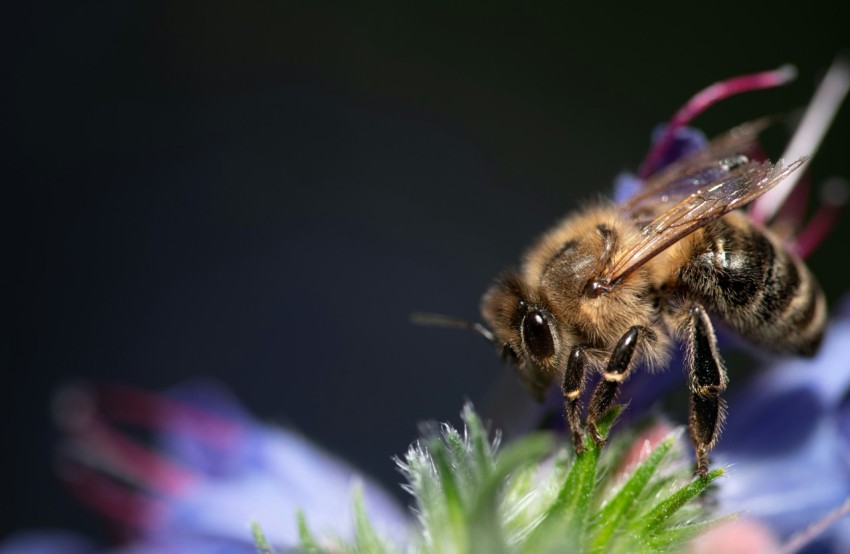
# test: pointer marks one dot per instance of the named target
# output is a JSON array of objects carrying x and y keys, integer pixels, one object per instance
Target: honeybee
[{"x": 614, "y": 286}]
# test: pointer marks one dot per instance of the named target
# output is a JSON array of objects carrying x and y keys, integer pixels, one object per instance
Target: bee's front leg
[
  {"x": 572, "y": 387},
  {"x": 707, "y": 379},
  {"x": 617, "y": 371}
]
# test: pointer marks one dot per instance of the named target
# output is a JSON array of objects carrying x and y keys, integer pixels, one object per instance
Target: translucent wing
[
  {"x": 740, "y": 140},
  {"x": 691, "y": 201}
]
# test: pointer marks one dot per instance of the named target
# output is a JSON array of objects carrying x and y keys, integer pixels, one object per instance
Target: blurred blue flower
[
  {"x": 787, "y": 441},
  {"x": 215, "y": 470}
]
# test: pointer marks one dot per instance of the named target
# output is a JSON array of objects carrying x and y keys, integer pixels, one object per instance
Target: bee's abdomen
[{"x": 755, "y": 285}]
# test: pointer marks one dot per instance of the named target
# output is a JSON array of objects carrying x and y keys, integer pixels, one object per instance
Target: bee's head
[{"x": 524, "y": 325}]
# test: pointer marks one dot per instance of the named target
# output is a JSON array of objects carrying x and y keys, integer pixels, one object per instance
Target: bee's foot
[{"x": 595, "y": 435}]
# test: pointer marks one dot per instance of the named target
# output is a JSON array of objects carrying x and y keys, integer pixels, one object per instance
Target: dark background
[{"x": 262, "y": 192}]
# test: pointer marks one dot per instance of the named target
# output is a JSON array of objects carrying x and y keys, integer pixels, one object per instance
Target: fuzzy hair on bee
[
  {"x": 615, "y": 286},
  {"x": 553, "y": 278}
]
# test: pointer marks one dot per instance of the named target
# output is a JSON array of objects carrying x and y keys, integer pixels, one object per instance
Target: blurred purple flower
[
  {"x": 215, "y": 471},
  {"x": 788, "y": 441}
]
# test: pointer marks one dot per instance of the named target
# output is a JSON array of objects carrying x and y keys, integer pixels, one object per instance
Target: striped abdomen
[{"x": 745, "y": 276}]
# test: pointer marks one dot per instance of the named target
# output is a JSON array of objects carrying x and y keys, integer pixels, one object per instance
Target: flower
[
  {"x": 218, "y": 476},
  {"x": 216, "y": 471},
  {"x": 787, "y": 441}
]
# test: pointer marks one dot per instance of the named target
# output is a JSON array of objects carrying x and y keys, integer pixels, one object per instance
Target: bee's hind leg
[
  {"x": 617, "y": 371},
  {"x": 707, "y": 379}
]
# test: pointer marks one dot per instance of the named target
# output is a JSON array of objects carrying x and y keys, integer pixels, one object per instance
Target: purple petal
[
  {"x": 798, "y": 405},
  {"x": 685, "y": 141},
  {"x": 626, "y": 185},
  {"x": 288, "y": 474},
  {"x": 182, "y": 544},
  {"x": 266, "y": 475},
  {"x": 772, "y": 424},
  {"x": 232, "y": 471},
  {"x": 185, "y": 437}
]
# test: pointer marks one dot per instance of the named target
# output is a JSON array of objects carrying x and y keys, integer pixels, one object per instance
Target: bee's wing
[
  {"x": 740, "y": 140},
  {"x": 690, "y": 202}
]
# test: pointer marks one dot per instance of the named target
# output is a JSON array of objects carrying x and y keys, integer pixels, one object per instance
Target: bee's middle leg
[{"x": 617, "y": 371}]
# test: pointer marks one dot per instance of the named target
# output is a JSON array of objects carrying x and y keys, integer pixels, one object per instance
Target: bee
[{"x": 615, "y": 286}]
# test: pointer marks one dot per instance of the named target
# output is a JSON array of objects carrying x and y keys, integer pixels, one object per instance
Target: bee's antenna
[{"x": 439, "y": 320}]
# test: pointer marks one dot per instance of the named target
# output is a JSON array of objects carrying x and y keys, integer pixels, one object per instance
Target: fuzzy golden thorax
[{"x": 554, "y": 284}]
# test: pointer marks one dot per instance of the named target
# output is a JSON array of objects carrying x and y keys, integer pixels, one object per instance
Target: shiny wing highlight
[
  {"x": 690, "y": 202},
  {"x": 740, "y": 140}
]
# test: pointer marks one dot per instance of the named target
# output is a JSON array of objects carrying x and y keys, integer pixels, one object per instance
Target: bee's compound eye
[{"x": 537, "y": 335}]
